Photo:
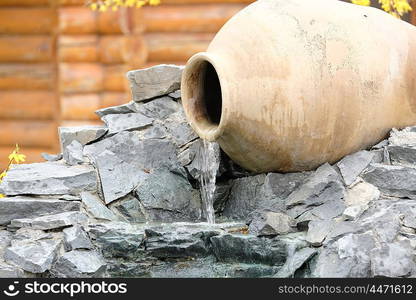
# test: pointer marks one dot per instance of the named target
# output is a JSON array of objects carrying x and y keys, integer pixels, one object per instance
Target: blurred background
[{"x": 60, "y": 61}]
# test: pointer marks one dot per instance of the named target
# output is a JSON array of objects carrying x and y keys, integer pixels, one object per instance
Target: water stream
[{"x": 207, "y": 179}]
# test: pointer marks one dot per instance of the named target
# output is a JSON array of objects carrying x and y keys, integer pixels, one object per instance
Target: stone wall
[{"x": 124, "y": 200}]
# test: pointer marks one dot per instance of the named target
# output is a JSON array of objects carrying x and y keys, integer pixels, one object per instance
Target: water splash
[{"x": 209, "y": 168}]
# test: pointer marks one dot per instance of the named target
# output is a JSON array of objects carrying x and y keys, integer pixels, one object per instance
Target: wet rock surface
[{"x": 124, "y": 200}]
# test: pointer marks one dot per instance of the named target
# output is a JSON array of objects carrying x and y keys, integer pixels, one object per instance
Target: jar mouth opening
[{"x": 202, "y": 96}]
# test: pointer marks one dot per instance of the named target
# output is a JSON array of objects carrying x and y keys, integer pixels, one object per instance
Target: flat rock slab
[
  {"x": 269, "y": 223},
  {"x": 96, "y": 208},
  {"x": 79, "y": 264},
  {"x": 75, "y": 238},
  {"x": 295, "y": 262},
  {"x": 322, "y": 186},
  {"x": 82, "y": 134},
  {"x": 402, "y": 155},
  {"x": 33, "y": 256},
  {"x": 26, "y": 207},
  {"x": 118, "y": 239},
  {"x": 73, "y": 154},
  {"x": 397, "y": 181},
  {"x": 392, "y": 260},
  {"x": 158, "y": 108},
  {"x": 405, "y": 137},
  {"x": 249, "y": 249},
  {"x": 129, "y": 121},
  {"x": 51, "y": 221},
  {"x": 261, "y": 192},
  {"x": 49, "y": 178},
  {"x": 10, "y": 271},
  {"x": 180, "y": 240},
  {"x": 128, "y": 208},
  {"x": 352, "y": 165},
  {"x": 125, "y": 159},
  {"x": 168, "y": 197},
  {"x": 155, "y": 81}
]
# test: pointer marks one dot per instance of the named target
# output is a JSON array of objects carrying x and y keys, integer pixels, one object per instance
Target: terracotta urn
[{"x": 287, "y": 85}]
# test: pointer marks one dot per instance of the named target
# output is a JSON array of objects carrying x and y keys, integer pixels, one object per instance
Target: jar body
[{"x": 287, "y": 85}]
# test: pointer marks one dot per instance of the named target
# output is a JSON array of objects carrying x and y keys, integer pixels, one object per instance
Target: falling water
[{"x": 207, "y": 178}]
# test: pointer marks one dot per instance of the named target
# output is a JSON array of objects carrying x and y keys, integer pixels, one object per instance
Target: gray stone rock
[
  {"x": 244, "y": 197},
  {"x": 130, "y": 107},
  {"x": 33, "y": 256},
  {"x": 126, "y": 122},
  {"x": 159, "y": 108},
  {"x": 405, "y": 137},
  {"x": 409, "y": 220},
  {"x": 383, "y": 219},
  {"x": 157, "y": 131},
  {"x": 261, "y": 192},
  {"x": 24, "y": 234},
  {"x": 352, "y": 165},
  {"x": 361, "y": 194},
  {"x": 397, "y": 181},
  {"x": 82, "y": 134},
  {"x": 249, "y": 249},
  {"x": 318, "y": 231},
  {"x": 378, "y": 157},
  {"x": 79, "y": 264},
  {"x": 165, "y": 196},
  {"x": 75, "y": 238},
  {"x": 51, "y": 157},
  {"x": 327, "y": 211},
  {"x": 181, "y": 240},
  {"x": 118, "y": 239},
  {"x": 124, "y": 160},
  {"x": 129, "y": 208},
  {"x": 155, "y": 81},
  {"x": 380, "y": 145},
  {"x": 51, "y": 221},
  {"x": 347, "y": 257},
  {"x": 49, "y": 178},
  {"x": 73, "y": 154},
  {"x": 221, "y": 194},
  {"x": 386, "y": 156},
  {"x": 10, "y": 271},
  {"x": 392, "y": 260},
  {"x": 95, "y": 207},
  {"x": 322, "y": 186},
  {"x": 353, "y": 212},
  {"x": 271, "y": 223},
  {"x": 25, "y": 207},
  {"x": 178, "y": 128},
  {"x": 341, "y": 228},
  {"x": 295, "y": 262},
  {"x": 175, "y": 95},
  {"x": 5, "y": 238},
  {"x": 400, "y": 155},
  {"x": 207, "y": 267}
]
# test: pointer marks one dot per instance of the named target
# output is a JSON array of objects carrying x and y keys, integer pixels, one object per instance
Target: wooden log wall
[
  {"x": 60, "y": 61},
  {"x": 29, "y": 111}
]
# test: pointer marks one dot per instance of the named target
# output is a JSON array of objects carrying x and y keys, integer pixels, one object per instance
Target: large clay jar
[{"x": 287, "y": 85}]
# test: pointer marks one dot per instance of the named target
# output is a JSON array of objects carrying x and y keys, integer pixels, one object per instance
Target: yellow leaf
[
  {"x": 2, "y": 175},
  {"x": 362, "y": 2},
  {"x": 2, "y": 196}
]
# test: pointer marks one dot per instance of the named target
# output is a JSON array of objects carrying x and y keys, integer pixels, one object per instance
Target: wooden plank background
[{"x": 60, "y": 61}]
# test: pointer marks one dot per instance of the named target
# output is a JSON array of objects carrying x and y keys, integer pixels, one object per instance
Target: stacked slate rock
[{"x": 123, "y": 200}]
